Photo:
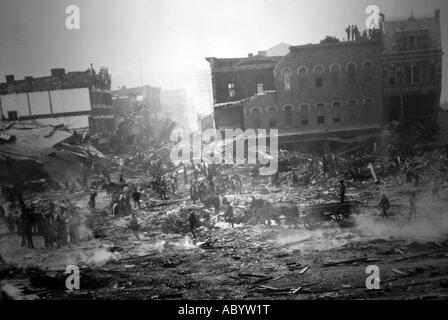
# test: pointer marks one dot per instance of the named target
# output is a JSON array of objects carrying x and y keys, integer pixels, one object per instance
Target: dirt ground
[{"x": 247, "y": 262}]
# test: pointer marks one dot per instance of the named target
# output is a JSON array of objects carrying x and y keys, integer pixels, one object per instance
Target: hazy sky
[{"x": 172, "y": 37}]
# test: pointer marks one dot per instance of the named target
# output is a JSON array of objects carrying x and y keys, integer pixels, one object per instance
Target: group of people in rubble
[
  {"x": 57, "y": 224},
  {"x": 435, "y": 192}
]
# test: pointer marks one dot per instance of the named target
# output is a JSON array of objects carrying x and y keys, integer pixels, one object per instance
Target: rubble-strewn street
[
  {"x": 252, "y": 260},
  {"x": 208, "y": 151}
]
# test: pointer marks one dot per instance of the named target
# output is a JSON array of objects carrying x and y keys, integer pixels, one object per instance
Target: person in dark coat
[
  {"x": 342, "y": 190},
  {"x": 228, "y": 213},
  {"x": 385, "y": 205},
  {"x": 194, "y": 192},
  {"x": 192, "y": 219},
  {"x": 136, "y": 196},
  {"x": 26, "y": 225}
]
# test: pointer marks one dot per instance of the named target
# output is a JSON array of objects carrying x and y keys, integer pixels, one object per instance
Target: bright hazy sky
[{"x": 172, "y": 37}]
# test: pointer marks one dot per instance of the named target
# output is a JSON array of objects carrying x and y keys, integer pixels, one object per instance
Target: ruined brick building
[
  {"x": 81, "y": 100},
  {"x": 324, "y": 97}
]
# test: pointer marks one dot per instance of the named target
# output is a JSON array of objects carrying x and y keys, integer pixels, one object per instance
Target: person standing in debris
[
  {"x": 435, "y": 189},
  {"x": 211, "y": 184},
  {"x": 136, "y": 196},
  {"x": 416, "y": 178},
  {"x": 61, "y": 231},
  {"x": 192, "y": 219},
  {"x": 26, "y": 231},
  {"x": 412, "y": 207},
  {"x": 92, "y": 200},
  {"x": 162, "y": 190},
  {"x": 194, "y": 192},
  {"x": 295, "y": 179},
  {"x": 121, "y": 179},
  {"x": 73, "y": 227},
  {"x": 228, "y": 212},
  {"x": 342, "y": 189},
  {"x": 385, "y": 205},
  {"x": 10, "y": 218}
]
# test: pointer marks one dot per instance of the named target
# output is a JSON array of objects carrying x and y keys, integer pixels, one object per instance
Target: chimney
[
  {"x": 260, "y": 88},
  {"x": 9, "y": 78},
  {"x": 437, "y": 13},
  {"x": 250, "y": 55},
  {"x": 57, "y": 72}
]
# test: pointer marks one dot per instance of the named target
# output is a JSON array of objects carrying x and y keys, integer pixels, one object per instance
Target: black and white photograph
[{"x": 223, "y": 150}]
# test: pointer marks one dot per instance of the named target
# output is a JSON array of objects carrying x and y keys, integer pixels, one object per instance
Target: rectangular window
[
  {"x": 319, "y": 82},
  {"x": 12, "y": 115},
  {"x": 272, "y": 122},
  {"x": 432, "y": 72},
  {"x": 304, "y": 115},
  {"x": 425, "y": 73},
  {"x": 408, "y": 75},
  {"x": 385, "y": 78},
  {"x": 400, "y": 78},
  {"x": 392, "y": 81},
  {"x": 416, "y": 74}
]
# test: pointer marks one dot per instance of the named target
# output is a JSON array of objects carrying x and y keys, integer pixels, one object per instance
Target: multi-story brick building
[
  {"x": 326, "y": 96},
  {"x": 412, "y": 68},
  {"x": 81, "y": 100}
]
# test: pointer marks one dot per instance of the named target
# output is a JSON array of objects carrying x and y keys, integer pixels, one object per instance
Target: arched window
[
  {"x": 334, "y": 70},
  {"x": 302, "y": 73},
  {"x": 320, "y": 115},
  {"x": 272, "y": 117},
  {"x": 287, "y": 79},
  {"x": 304, "y": 109},
  {"x": 352, "y": 110},
  {"x": 256, "y": 118},
  {"x": 288, "y": 115},
  {"x": 336, "y": 112},
  {"x": 319, "y": 76},
  {"x": 351, "y": 73},
  {"x": 368, "y": 70}
]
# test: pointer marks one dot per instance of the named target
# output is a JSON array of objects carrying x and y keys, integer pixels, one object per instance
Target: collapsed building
[
  {"x": 81, "y": 100},
  {"x": 136, "y": 112},
  {"x": 331, "y": 96}
]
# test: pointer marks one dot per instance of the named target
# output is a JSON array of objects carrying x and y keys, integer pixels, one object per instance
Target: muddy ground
[{"x": 247, "y": 262}]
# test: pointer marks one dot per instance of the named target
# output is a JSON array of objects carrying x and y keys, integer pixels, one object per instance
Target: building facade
[
  {"x": 80, "y": 100},
  {"x": 325, "y": 97},
  {"x": 412, "y": 68}
]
